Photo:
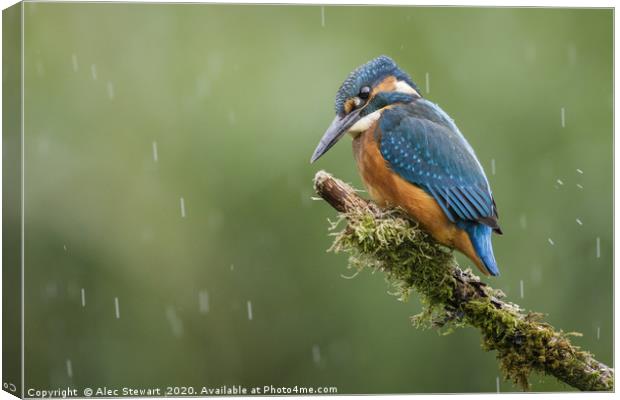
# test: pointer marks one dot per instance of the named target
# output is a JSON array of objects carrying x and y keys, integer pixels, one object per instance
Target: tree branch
[{"x": 387, "y": 240}]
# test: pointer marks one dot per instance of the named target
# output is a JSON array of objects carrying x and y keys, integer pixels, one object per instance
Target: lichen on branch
[{"x": 388, "y": 241}]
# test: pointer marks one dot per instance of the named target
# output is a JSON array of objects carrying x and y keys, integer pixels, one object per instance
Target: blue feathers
[
  {"x": 383, "y": 99},
  {"x": 368, "y": 75},
  {"x": 480, "y": 236},
  {"x": 421, "y": 144}
]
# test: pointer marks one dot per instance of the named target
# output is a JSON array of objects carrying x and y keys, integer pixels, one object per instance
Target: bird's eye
[{"x": 364, "y": 93}]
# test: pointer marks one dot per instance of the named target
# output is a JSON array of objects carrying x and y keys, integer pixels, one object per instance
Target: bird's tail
[{"x": 480, "y": 236}]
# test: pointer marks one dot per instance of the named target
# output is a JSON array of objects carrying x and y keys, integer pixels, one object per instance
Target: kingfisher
[{"x": 411, "y": 155}]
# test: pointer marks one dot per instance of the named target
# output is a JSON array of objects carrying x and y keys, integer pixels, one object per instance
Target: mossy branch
[{"x": 388, "y": 241}]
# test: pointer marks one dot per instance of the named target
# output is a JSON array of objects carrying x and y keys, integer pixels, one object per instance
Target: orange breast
[{"x": 388, "y": 189}]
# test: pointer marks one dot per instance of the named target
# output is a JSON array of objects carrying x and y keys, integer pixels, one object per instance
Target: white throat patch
[
  {"x": 365, "y": 123},
  {"x": 403, "y": 87}
]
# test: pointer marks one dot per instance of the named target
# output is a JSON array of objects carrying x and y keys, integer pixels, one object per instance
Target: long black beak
[{"x": 338, "y": 127}]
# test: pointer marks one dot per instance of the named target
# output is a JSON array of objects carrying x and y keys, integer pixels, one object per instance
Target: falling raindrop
[
  {"x": 69, "y": 369},
  {"x": 563, "y": 116},
  {"x": 551, "y": 241},
  {"x": 536, "y": 275},
  {"x": 110, "y": 90},
  {"x": 306, "y": 199},
  {"x": 523, "y": 221},
  {"x": 598, "y": 247},
  {"x": 117, "y": 308},
  {"x": 579, "y": 186},
  {"x": 51, "y": 290},
  {"x": 497, "y": 383},
  {"x": 83, "y": 297},
  {"x": 64, "y": 246},
  {"x": 598, "y": 333},
  {"x": 428, "y": 82},
  {"x": 232, "y": 118},
  {"x": 232, "y": 267},
  {"x": 250, "y": 316},
  {"x": 203, "y": 301},
  {"x": 182, "y": 200},
  {"x": 580, "y": 171},
  {"x": 572, "y": 54},
  {"x": 521, "y": 287},
  {"x": 579, "y": 221},
  {"x": 559, "y": 181},
  {"x": 316, "y": 354},
  {"x": 40, "y": 69},
  {"x": 493, "y": 166},
  {"x": 74, "y": 62},
  {"x": 175, "y": 322},
  {"x": 530, "y": 54},
  {"x": 203, "y": 86},
  {"x": 93, "y": 71},
  {"x": 155, "y": 155},
  {"x": 323, "y": 17}
]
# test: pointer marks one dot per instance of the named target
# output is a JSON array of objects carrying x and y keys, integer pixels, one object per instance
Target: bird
[{"x": 410, "y": 154}]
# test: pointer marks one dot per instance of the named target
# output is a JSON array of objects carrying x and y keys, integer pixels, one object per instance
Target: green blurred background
[{"x": 235, "y": 98}]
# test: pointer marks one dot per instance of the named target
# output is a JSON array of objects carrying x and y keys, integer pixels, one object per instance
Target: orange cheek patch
[
  {"x": 387, "y": 85},
  {"x": 349, "y": 105}
]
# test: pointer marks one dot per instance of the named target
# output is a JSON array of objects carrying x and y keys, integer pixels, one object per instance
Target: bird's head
[{"x": 363, "y": 96}]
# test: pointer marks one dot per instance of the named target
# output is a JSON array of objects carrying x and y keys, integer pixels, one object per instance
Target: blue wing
[{"x": 421, "y": 144}]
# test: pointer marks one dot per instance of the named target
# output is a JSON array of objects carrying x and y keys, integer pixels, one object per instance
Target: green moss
[
  {"x": 412, "y": 260},
  {"x": 395, "y": 245}
]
